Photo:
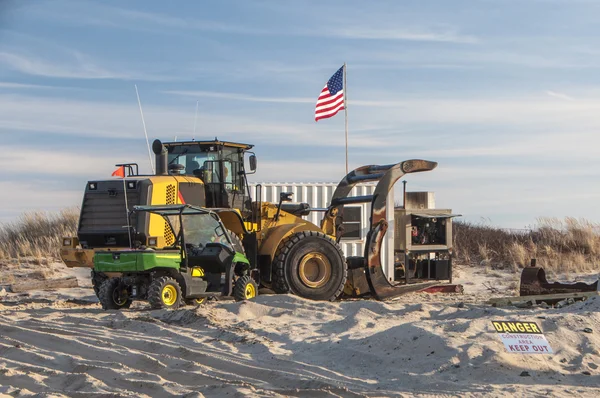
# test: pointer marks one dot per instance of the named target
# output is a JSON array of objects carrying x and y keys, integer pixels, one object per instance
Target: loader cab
[{"x": 219, "y": 164}]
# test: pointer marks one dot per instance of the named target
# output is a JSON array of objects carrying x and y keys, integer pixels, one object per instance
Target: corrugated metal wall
[{"x": 318, "y": 195}]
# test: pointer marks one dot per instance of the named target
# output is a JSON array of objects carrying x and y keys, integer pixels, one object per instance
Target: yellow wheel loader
[{"x": 289, "y": 253}]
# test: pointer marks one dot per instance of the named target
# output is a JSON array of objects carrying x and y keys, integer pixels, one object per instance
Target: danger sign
[{"x": 522, "y": 337}]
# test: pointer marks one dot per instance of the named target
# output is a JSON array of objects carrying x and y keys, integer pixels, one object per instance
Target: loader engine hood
[{"x": 103, "y": 221}]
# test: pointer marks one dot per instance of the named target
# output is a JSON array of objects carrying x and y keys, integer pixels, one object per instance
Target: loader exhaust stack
[{"x": 161, "y": 158}]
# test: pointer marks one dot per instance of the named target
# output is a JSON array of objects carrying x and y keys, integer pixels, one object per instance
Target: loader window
[
  {"x": 192, "y": 158},
  {"x": 232, "y": 161},
  {"x": 352, "y": 223}
]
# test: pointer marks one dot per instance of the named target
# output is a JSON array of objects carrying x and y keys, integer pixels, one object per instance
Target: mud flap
[{"x": 386, "y": 176}]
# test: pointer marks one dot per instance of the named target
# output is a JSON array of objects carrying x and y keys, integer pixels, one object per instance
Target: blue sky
[{"x": 504, "y": 94}]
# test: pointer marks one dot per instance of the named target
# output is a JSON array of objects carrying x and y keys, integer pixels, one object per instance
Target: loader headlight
[
  {"x": 93, "y": 186},
  {"x": 131, "y": 185},
  {"x": 152, "y": 242},
  {"x": 70, "y": 242}
]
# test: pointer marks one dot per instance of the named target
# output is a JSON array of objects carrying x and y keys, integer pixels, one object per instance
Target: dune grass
[
  {"x": 559, "y": 245},
  {"x": 37, "y": 235}
]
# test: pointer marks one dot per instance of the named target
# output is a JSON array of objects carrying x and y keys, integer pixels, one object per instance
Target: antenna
[
  {"x": 144, "y": 124},
  {"x": 195, "y": 118}
]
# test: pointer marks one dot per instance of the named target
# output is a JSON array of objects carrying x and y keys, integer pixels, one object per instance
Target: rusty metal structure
[
  {"x": 366, "y": 274},
  {"x": 534, "y": 282}
]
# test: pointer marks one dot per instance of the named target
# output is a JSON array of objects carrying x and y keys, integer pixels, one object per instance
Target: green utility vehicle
[{"x": 206, "y": 260}]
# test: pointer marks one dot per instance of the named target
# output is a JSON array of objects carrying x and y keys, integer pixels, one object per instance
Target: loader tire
[
  {"x": 113, "y": 295},
  {"x": 237, "y": 242},
  {"x": 165, "y": 292},
  {"x": 311, "y": 265}
]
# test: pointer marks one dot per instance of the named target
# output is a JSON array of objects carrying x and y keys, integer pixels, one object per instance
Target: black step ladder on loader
[{"x": 366, "y": 272}]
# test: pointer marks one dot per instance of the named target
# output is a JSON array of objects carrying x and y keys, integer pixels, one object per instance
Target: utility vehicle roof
[{"x": 172, "y": 210}]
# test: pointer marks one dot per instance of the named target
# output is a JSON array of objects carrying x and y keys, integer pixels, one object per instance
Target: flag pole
[{"x": 346, "y": 113}]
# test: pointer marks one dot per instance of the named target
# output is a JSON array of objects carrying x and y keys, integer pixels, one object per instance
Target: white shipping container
[{"x": 318, "y": 195}]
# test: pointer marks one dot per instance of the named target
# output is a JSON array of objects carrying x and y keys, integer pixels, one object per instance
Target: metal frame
[
  {"x": 386, "y": 176},
  {"x": 181, "y": 210}
]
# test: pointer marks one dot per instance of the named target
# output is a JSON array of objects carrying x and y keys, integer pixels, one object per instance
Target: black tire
[
  {"x": 237, "y": 242},
  {"x": 165, "y": 292},
  {"x": 292, "y": 251},
  {"x": 245, "y": 288},
  {"x": 97, "y": 280},
  {"x": 113, "y": 295},
  {"x": 197, "y": 301}
]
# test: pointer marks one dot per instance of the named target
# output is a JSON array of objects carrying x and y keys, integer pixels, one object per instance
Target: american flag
[{"x": 331, "y": 100}]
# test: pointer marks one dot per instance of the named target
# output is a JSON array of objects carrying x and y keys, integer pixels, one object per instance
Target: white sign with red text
[{"x": 522, "y": 337}]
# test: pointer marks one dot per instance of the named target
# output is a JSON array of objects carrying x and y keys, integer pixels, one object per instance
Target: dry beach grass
[
  {"x": 567, "y": 245},
  {"x": 37, "y": 234},
  {"x": 560, "y": 246}
]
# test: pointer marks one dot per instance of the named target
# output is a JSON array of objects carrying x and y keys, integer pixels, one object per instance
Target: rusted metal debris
[
  {"x": 534, "y": 282},
  {"x": 444, "y": 289},
  {"x": 548, "y": 299}
]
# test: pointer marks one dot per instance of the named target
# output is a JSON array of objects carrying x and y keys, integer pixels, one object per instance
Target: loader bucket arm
[{"x": 386, "y": 176}]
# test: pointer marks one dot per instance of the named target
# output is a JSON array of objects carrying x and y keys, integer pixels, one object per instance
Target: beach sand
[{"x": 61, "y": 343}]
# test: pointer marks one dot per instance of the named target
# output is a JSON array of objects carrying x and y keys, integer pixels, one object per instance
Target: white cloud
[
  {"x": 388, "y": 112},
  {"x": 289, "y": 171},
  {"x": 355, "y": 29},
  {"x": 545, "y": 125},
  {"x": 10, "y": 85},
  {"x": 559, "y": 95},
  {"x": 73, "y": 65},
  {"x": 114, "y": 120},
  {"x": 40, "y": 67},
  {"x": 352, "y": 31},
  {"x": 241, "y": 97},
  {"x": 33, "y": 161}
]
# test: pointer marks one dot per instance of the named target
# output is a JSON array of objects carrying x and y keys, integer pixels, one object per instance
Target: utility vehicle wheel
[
  {"x": 97, "y": 280},
  {"x": 164, "y": 292},
  {"x": 237, "y": 242},
  {"x": 245, "y": 288},
  {"x": 113, "y": 295},
  {"x": 196, "y": 301},
  {"x": 311, "y": 265}
]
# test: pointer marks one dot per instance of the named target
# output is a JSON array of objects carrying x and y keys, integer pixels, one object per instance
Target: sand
[{"x": 61, "y": 343}]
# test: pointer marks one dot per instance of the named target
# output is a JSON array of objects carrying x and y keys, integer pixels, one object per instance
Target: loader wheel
[
  {"x": 164, "y": 292},
  {"x": 311, "y": 265},
  {"x": 113, "y": 295},
  {"x": 245, "y": 288}
]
